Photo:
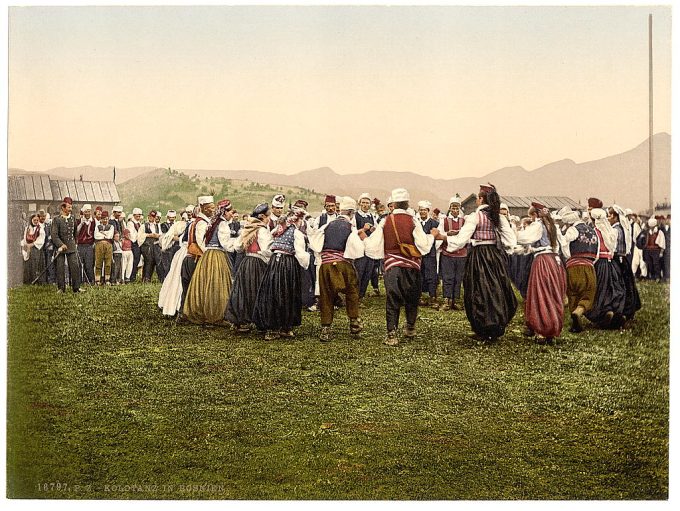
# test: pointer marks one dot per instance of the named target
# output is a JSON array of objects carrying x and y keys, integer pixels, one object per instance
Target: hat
[
  {"x": 189, "y": 208},
  {"x": 152, "y": 213},
  {"x": 260, "y": 209},
  {"x": 301, "y": 204},
  {"x": 117, "y": 209},
  {"x": 455, "y": 200},
  {"x": 568, "y": 216},
  {"x": 136, "y": 211},
  {"x": 329, "y": 198},
  {"x": 105, "y": 214},
  {"x": 376, "y": 202},
  {"x": 86, "y": 207},
  {"x": 628, "y": 212},
  {"x": 171, "y": 213},
  {"x": 347, "y": 203},
  {"x": 126, "y": 231},
  {"x": 652, "y": 222},
  {"x": 425, "y": 204},
  {"x": 598, "y": 214},
  {"x": 364, "y": 196},
  {"x": 594, "y": 202},
  {"x": 487, "y": 188},
  {"x": 536, "y": 205},
  {"x": 99, "y": 208},
  {"x": 555, "y": 215},
  {"x": 67, "y": 200},
  {"x": 205, "y": 199},
  {"x": 436, "y": 211},
  {"x": 279, "y": 201},
  {"x": 224, "y": 204},
  {"x": 585, "y": 214},
  {"x": 400, "y": 195}
]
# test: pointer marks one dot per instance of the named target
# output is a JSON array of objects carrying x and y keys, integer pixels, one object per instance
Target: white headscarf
[{"x": 625, "y": 224}]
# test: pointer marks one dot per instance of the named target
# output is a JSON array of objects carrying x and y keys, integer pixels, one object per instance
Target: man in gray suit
[{"x": 64, "y": 240}]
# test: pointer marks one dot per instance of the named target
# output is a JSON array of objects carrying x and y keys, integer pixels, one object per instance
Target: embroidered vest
[{"x": 286, "y": 242}]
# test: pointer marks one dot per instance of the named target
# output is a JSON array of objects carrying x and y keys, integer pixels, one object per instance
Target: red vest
[
  {"x": 86, "y": 234},
  {"x": 404, "y": 224},
  {"x": 453, "y": 225}
]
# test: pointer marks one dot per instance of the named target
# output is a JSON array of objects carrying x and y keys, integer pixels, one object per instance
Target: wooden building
[
  {"x": 519, "y": 205},
  {"x": 28, "y": 193}
]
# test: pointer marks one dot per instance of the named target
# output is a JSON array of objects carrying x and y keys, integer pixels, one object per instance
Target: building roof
[
  {"x": 42, "y": 188},
  {"x": 550, "y": 202}
]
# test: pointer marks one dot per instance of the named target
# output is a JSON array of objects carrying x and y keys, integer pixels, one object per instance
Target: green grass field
[{"x": 107, "y": 399}]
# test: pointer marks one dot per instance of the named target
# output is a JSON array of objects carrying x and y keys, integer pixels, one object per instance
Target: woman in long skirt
[
  {"x": 31, "y": 245},
  {"x": 547, "y": 287},
  {"x": 279, "y": 301},
  {"x": 607, "y": 311},
  {"x": 208, "y": 294},
  {"x": 255, "y": 240},
  {"x": 624, "y": 243},
  {"x": 170, "y": 296},
  {"x": 490, "y": 301}
]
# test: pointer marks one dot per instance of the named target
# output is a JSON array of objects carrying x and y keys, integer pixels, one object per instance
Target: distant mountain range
[{"x": 621, "y": 178}]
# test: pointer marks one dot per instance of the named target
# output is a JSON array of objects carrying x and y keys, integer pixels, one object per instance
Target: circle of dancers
[{"x": 259, "y": 274}]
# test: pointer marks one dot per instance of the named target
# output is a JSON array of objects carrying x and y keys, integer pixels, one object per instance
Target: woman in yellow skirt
[{"x": 208, "y": 294}]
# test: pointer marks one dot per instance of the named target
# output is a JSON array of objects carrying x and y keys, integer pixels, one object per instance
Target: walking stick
[
  {"x": 82, "y": 269},
  {"x": 54, "y": 258}
]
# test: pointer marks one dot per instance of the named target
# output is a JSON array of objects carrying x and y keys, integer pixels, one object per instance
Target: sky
[{"x": 446, "y": 91}]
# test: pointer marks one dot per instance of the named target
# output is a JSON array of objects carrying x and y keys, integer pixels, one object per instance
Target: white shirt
[
  {"x": 374, "y": 245},
  {"x": 104, "y": 235},
  {"x": 507, "y": 235}
]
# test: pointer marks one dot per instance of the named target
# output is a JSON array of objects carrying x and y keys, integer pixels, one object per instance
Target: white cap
[
  {"x": 117, "y": 209},
  {"x": 598, "y": 213},
  {"x": 189, "y": 208},
  {"x": 585, "y": 214},
  {"x": 136, "y": 211},
  {"x": 364, "y": 196},
  {"x": 555, "y": 215},
  {"x": 424, "y": 204},
  {"x": 504, "y": 206},
  {"x": 568, "y": 216},
  {"x": 86, "y": 207},
  {"x": 171, "y": 212},
  {"x": 279, "y": 201},
  {"x": 455, "y": 200},
  {"x": 347, "y": 203},
  {"x": 628, "y": 211},
  {"x": 205, "y": 199},
  {"x": 400, "y": 195},
  {"x": 652, "y": 222}
]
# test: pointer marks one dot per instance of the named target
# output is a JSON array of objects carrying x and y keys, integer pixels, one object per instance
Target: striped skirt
[{"x": 547, "y": 287}]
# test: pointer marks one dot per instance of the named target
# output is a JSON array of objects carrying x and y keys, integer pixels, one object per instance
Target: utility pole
[{"x": 651, "y": 123}]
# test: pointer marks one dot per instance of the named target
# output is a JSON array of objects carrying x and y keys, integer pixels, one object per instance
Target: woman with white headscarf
[{"x": 624, "y": 243}]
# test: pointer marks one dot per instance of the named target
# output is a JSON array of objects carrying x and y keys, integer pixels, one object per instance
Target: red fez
[
  {"x": 436, "y": 211},
  {"x": 330, "y": 198},
  {"x": 594, "y": 203},
  {"x": 152, "y": 213},
  {"x": 105, "y": 214},
  {"x": 487, "y": 188},
  {"x": 224, "y": 204},
  {"x": 538, "y": 205},
  {"x": 376, "y": 201},
  {"x": 67, "y": 200},
  {"x": 302, "y": 204},
  {"x": 99, "y": 208}
]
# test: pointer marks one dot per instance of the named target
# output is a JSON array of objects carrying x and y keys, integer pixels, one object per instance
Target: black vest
[{"x": 337, "y": 233}]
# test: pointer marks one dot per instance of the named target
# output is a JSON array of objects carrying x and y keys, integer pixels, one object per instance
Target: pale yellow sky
[{"x": 441, "y": 91}]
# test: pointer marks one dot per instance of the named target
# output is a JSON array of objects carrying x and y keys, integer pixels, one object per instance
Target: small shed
[
  {"x": 519, "y": 205},
  {"x": 28, "y": 193}
]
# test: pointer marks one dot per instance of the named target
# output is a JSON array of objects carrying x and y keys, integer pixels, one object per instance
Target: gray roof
[
  {"x": 42, "y": 188},
  {"x": 550, "y": 202}
]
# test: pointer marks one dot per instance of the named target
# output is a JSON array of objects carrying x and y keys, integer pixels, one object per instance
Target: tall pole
[{"x": 651, "y": 123}]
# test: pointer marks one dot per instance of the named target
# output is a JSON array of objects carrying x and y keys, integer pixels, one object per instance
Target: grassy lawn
[{"x": 107, "y": 399}]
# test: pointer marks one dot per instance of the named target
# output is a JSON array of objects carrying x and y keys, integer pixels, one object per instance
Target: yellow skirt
[{"x": 208, "y": 294}]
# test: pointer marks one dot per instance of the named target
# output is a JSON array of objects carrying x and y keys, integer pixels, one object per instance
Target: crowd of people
[{"x": 262, "y": 272}]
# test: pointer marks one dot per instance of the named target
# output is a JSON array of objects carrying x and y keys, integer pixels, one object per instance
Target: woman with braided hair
[
  {"x": 490, "y": 301},
  {"x": 547, "y": 287},
  {"x": 279, "y": 300},
  {"x": 208, "y": 294},
  {"x": 255, "y": 240}
]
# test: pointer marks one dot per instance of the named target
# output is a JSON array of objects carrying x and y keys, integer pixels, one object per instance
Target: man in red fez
[
  {"x": 64, "y": 240},
  {"x": 103, "y": 249}
]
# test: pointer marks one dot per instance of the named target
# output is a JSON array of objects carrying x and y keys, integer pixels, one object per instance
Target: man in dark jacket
[{"x": 64, "y": 240}]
